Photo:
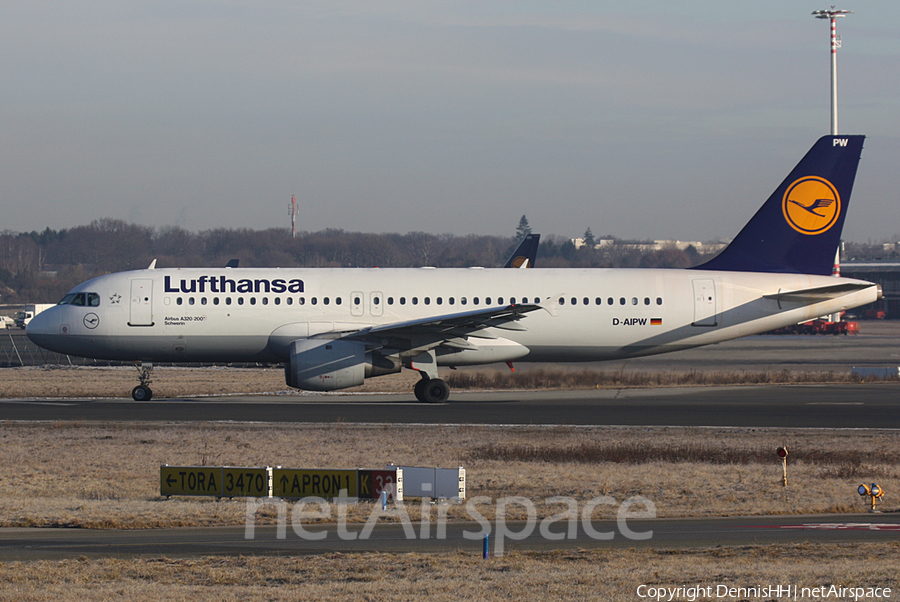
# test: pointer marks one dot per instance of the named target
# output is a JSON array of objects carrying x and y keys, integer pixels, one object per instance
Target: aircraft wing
[
  {"x": 446, "y": 329},
  {"x": 820, "y": 293}
]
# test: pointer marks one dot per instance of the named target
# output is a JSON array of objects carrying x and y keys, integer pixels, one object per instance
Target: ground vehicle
[{"x": 30, "y": 311}]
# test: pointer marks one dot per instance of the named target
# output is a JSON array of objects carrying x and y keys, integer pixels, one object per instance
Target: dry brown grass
[
  {"x": 567, "y": 378},
  {"x": 88, "y": 475},
  {"x": 571, "y": 575},
  {"x": 92, "y": 382}
]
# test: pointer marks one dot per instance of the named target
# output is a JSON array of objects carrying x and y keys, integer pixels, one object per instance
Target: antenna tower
[{"x": 293, "y": 216}]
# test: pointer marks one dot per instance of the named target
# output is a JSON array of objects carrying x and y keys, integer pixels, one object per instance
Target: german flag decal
[{"x": 655, "y": 321}]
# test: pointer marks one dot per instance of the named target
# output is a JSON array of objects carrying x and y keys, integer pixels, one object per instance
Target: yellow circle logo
[{"x": 811, "y": 205}]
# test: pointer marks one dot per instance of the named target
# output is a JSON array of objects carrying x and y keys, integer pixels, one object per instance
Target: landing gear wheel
[
  {"x": 141, "y": 393},
  {"x": 419, "y": 390},
  {"x": 434, "y": 391}
]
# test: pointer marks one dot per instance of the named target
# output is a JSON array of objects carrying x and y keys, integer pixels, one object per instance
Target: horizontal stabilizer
[{"x": 819, "y": 293}]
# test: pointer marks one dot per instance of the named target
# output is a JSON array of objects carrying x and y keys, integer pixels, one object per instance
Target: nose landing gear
[{"x": 142, "y": 392}]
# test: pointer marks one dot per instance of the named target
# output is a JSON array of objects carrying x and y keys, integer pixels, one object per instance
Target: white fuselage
[{"x": 252, "y": 314}]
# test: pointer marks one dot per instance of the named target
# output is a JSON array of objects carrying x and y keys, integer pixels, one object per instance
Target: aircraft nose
[{"x": 44, "y": 328}]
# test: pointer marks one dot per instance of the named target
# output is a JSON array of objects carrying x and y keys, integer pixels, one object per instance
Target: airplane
[{"x": 334, "y": 327}]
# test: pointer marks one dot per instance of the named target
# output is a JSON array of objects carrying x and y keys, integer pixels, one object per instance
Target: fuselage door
[
  {"x": 376, "y": 304},
  {"x": 705, "y": 302},
  {"x": 357, "y": 303},
  {"x": 141, "y": 302}
]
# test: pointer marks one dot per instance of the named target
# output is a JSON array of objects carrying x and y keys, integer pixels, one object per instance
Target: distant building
[
  {"x": 656, "y": 245},
  {"x": 885, "y": 273}
]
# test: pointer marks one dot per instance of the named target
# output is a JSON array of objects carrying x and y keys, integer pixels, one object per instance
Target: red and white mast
[{"x": 832, "y": 14}]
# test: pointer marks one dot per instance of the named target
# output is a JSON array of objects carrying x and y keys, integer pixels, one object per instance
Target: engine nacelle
[
  {"x": 325, "y": 365},
  {"x": 331, "y": 364}
]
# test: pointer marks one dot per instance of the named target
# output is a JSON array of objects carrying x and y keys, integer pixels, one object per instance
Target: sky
[{"x": 644, "y": 120}]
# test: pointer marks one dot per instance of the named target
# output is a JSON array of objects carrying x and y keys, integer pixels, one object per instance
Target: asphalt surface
[
  {"x": 53, "y": 544},
  {"x": 783, "y": 406}
]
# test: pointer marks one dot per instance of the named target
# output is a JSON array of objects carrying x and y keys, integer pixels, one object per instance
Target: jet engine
[{"x": 331, "y": 364}]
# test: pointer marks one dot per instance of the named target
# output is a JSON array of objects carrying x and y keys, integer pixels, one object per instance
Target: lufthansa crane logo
[{"x": 811, "y": 205}]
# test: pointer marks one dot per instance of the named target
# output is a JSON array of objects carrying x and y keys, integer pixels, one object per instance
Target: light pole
[{"x": 833, "y": 14}]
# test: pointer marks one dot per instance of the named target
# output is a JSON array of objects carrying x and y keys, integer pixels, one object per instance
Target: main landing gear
[
  {"x": 432, "y": 390},
  {"x": 142, "y": 392}
]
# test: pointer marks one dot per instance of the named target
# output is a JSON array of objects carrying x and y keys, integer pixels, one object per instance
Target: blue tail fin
[
  {"x": 525, "y": 252},
  {"x": 798, "y": 229}
]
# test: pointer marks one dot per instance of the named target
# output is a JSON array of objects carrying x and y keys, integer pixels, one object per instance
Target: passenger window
[
  {"x": 289, "y": 300},
  {"x": 415, "y": 300},
  {"x": 252, "y": 300},
  {"x": 277, "y": 300},
  {"x": 357, "y": 301},
  {"x": 375, "y": 301},
  {"x": 574, "y": 301},
  {"x": 621, "y": 300},
  {"x": 227, "y": 300},
  {"x": 179, "y": 301},
  {"x": 462, "y": 301},
  {"x": 646, "y": 300},
  {"x": 451, "y": 300},
  {"x": 203, "y": 301},
  {"x": 474, "y": 300},
  {"x": 390, "y": 300},
  {"x": 337, "y": 300},
  {"x": 610, "y": 301},
  {"x": 265, "y": 300},
  {"x": 190, "y": 300},
  {"x": 634, "y": 301},
  {"x": 659, "y": 300},
  {"x": 427, "y": 300},
  {"x": 215, "y": 300},
  {"x": 314, "y": 301},
  {"x": 240, "y": 300},
  {"x": 598, "y": 301},
  {"x": 439, "y": 300},
  {"x": 326, "y": 301},
  {"x": 402, "y": 300},
  {"x": 586, "y": 301},
  {"x": 302, "y": 300}
]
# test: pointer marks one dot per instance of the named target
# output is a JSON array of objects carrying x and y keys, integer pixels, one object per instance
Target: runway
[
  {"x": 52, "y": 544},
  {"x": 781, "y": 406}
]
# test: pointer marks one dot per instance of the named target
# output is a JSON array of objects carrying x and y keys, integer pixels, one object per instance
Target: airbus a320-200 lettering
[{"x": 333, "y": 328}]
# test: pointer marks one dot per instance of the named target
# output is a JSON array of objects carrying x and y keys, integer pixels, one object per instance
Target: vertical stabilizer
[{"x": 798, "y": 229}]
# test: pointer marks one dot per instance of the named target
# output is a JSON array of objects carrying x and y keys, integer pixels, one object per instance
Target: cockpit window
[{"x": 81, "y": 299}]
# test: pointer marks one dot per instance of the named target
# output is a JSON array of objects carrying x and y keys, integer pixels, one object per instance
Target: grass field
[{"x": 571, "y": 575}]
